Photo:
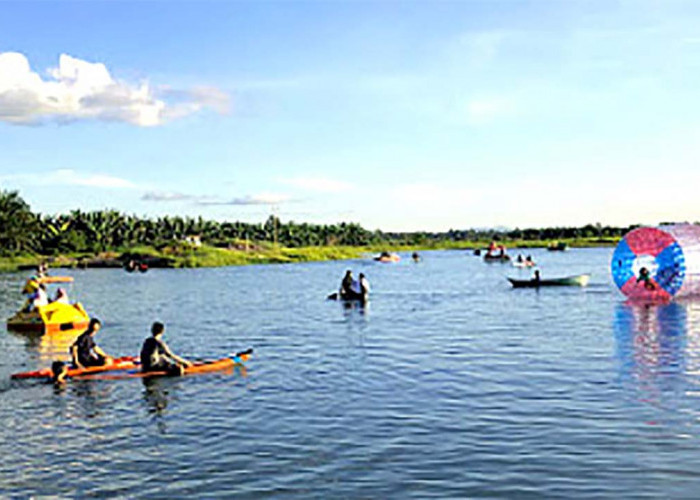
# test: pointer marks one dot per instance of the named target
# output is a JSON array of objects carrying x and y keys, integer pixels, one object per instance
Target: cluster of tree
[{"x": 22, "y": 231}]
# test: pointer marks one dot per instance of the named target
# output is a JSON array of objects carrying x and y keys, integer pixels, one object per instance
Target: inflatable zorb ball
[{"x": 671, "y": 257}]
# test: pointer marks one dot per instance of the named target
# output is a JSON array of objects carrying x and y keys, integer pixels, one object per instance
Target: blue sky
[{"x": 397, "y": 115}]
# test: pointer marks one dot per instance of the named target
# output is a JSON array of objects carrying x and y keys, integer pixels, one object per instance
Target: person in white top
[
  {"x": 61, "y": 296},
  {"x": 364, "y": 284}
]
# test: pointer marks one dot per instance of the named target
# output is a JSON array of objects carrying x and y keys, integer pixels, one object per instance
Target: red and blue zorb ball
[{"x": 671, "y": 255}]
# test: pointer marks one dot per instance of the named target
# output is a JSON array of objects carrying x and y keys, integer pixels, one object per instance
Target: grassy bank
[{"x": 263, "y": 253}]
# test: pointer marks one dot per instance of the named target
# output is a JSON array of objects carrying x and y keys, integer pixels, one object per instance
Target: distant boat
[
  {"x": 578, "y": 280},
  {"x": 496, "y": 258},
  {"x": 387, "y": 257},
  {"x": 557, "y": 246}
]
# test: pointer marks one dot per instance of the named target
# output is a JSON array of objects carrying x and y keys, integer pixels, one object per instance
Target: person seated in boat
[
  {"x": 491, "y": 249},
  {"x": 415, "y": 257},
  {"x": 645, "y": 276},
  {"x": 36, "y": 296},
  {"x": 501, "y": 250},
  {"x": 346, "y": 286},
  {"x": 529, "y": 261},
  {"x": 156, "y": 356},
  {"x": 364, "y": 285},
  {"x": 61, "y": 296},
  {"x": 519, "y": 259},
  {"x": 536, "y": 277},
  {"x": 85, "y": 352},
  {"x": 59, "y": 371}
]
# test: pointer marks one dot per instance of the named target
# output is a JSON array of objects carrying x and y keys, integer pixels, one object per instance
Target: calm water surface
[{"x": 449, "y": 384}]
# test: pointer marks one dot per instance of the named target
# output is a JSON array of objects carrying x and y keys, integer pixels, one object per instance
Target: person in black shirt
[
  {"x": 346, "y": 290},
  {"x": 85, "y": 352},
  {"x": 156, "y": 356}
]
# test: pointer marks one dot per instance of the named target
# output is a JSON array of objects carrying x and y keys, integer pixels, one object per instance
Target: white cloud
[
  {"x": 168, "y": 196},
  {"x": 318, "y": 184},
  {"x": 165, "y": 196},
  {"x": 81, "y": 90},
  {"x": 68, "y": 177},
  {"x": 259, "y": 199}
]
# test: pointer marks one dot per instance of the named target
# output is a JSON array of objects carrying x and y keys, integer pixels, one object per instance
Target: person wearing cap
[
  {"x": 85, "y": 352},
  {"x": 156, "y": 356}
]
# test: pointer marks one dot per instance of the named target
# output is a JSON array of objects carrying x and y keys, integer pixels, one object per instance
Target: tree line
[{"x": 23, "y": 231}]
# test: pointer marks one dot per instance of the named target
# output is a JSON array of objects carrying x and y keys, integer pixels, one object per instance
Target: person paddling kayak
[
  {"x": 85, "y": 352},
  {"x": 156, "y": 356}
]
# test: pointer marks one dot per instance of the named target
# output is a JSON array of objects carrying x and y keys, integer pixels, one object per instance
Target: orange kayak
[
  {"x": 124, "y": 363},
  {"x": 218, "y": 365}
]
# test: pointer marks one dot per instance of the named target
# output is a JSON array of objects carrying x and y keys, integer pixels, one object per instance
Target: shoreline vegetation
[
  {"x": 209, "y": 256},
  {"x": 109, "y": 238}
]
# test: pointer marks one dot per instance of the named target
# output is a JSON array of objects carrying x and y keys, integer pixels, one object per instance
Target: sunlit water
[{"x": 448, "y": 384}]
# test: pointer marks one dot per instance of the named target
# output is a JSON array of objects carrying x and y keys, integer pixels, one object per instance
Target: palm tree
[{"x": 18, "y": 225}]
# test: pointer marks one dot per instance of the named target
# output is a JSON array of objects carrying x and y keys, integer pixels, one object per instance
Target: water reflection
[
  {"x": 90, "y": 398},
  {"x": 55, "y": 346},
  {"x": 650, "y": 342},
  {"x": 658, "y": 349},
  {"x": 350, "y": 306},
  {"x": 155, "y": 395}
]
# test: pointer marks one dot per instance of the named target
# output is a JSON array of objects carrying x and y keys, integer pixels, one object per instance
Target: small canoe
[
  {"x": 557, "y": 247},
  {"x": 578, "y": 280},
  {"x": 124, "y": 363},
  {"x": 359, "y": 297},
  {"x": 524, "y": 263},
  {"x": 388, "y": 258},
  {"x": 496, "y": 258},
  {"x": 56, "y": 279},
  {"x": 201, "y": 367}
]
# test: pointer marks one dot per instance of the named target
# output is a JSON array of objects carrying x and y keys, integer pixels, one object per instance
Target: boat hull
[
  {"x": 52, "y": 318},
  {"x": 579, "y": 280},
  {"x": 124, "y": 363},
  {"x": 496, "y": 258},
  {"x": 218, "y": 365}
]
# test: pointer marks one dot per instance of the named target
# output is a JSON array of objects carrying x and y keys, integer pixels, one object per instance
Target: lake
[{"x": 447, "y": 384}]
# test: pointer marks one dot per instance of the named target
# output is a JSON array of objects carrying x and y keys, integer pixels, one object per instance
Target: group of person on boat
[
  {"x": 527, "y": 261},
  {"x": 37, "y": 295},
  {"x": 132, "y": 266},
  {"x": 351, "y": 288},
  {"x": 155, "y": 354},
  {"x": 496, "y": 250}
]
